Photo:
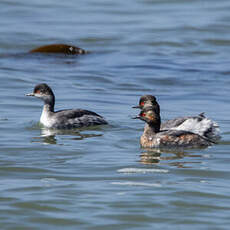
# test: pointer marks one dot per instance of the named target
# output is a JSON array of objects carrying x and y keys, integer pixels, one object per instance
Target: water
[{"x": 99, "y": 178}]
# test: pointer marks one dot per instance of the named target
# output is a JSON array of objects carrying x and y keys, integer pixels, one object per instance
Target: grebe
[
  {"x": 154, "y": 138},
  {"x": 63, "y": 119},
  {"x": 197, "y": 124}
]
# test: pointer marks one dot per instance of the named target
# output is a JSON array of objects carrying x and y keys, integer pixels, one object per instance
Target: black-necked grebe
[
  {"x": 197, "y": 124},
  {"x": 154, "y": 138},
  {"x": 63, "y": 119},
  {"x": 148, "y": 101}
]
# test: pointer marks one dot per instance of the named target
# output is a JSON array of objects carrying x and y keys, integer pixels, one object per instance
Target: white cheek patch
[
  {"x": 37, "y": 95},
  {"x": 44, "y": 97}
]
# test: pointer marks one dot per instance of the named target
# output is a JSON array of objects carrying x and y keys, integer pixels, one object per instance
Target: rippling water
[{"x": 99, "y": 178}]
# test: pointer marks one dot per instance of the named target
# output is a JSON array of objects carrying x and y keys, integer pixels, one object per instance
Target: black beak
[
  {"x": 136, "y": 107},
  {"x": 137, "y": 117}
]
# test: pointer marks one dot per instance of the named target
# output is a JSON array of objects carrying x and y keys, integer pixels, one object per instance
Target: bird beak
[
  {"x": 30, "y": 94},
  {"x": 136, "y": 107},
  {"x": 137, "y": 117}
]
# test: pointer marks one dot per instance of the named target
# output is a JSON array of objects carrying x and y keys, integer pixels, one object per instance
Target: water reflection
[
  {"x": 150, "y": 157},
  {"x": 156, "y": 156},
  {"x": 49, "y": 136}
]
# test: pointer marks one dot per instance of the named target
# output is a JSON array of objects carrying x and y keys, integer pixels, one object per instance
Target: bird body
[{"x": 63, "y": 119}]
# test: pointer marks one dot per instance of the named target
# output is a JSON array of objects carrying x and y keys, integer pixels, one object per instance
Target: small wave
[
  {"x": 129, "y": 183},
  {"x": 48, "y": 182},
  {"x": 139, "y": 170}
]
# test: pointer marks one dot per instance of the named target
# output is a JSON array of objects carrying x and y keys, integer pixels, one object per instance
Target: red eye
[
  {"x": 143, "y": 114},
  {"x": 142, "y": 103},
  {"x": 37, "y": 91}
]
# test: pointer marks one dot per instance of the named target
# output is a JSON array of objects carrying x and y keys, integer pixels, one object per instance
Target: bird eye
[
  {"x": 143, "y": 114},
  {"x": 142, "y": 103}
]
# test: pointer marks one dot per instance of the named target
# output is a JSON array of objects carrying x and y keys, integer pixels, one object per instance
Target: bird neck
[
  {"x": 49, "y": 104},
  {"x": 151, "y": 128}
]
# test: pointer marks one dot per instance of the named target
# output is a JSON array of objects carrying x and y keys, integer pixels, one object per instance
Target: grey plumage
[
  {"x": 77, "y": 118},
  {"x": 63, "y": 119}
]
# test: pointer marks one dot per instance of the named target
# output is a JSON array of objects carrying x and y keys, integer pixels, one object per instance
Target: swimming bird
[
  {"x": 153, "y": 137},
  {"x": 63, "y": 119},
  {"x": 148, "y": 101},
  {"x": 197, "y": 124}
]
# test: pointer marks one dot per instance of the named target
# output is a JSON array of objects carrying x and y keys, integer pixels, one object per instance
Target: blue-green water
[{"x": 99, "y": 178}]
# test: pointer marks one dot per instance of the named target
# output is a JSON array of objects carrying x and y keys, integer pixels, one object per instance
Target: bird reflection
[
  {"x": 49, "y": 136},
  {"x": 156, "y": 156},
  {"x": 150, "y": 157}
]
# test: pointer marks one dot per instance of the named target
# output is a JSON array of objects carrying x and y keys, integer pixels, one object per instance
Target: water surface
[{"x": 99, "y": 178}]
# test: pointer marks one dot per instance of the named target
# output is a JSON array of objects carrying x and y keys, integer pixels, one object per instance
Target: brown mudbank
[{"x": 58, "y": 48}]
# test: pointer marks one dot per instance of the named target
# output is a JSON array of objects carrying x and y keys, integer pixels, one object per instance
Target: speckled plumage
[
  {"x": 173, "y": 139},
  {"x": 199, "y": 124},
  {"x": 154, "y": 138}
]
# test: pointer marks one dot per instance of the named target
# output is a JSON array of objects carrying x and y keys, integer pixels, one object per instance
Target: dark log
[{"x": 58, "y": 48}]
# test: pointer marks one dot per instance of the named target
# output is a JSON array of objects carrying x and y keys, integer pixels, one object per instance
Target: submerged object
[{"x": 58, "y": 48}]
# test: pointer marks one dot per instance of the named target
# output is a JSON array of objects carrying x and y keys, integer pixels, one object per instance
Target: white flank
[{"x": 199, "y": 127}]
